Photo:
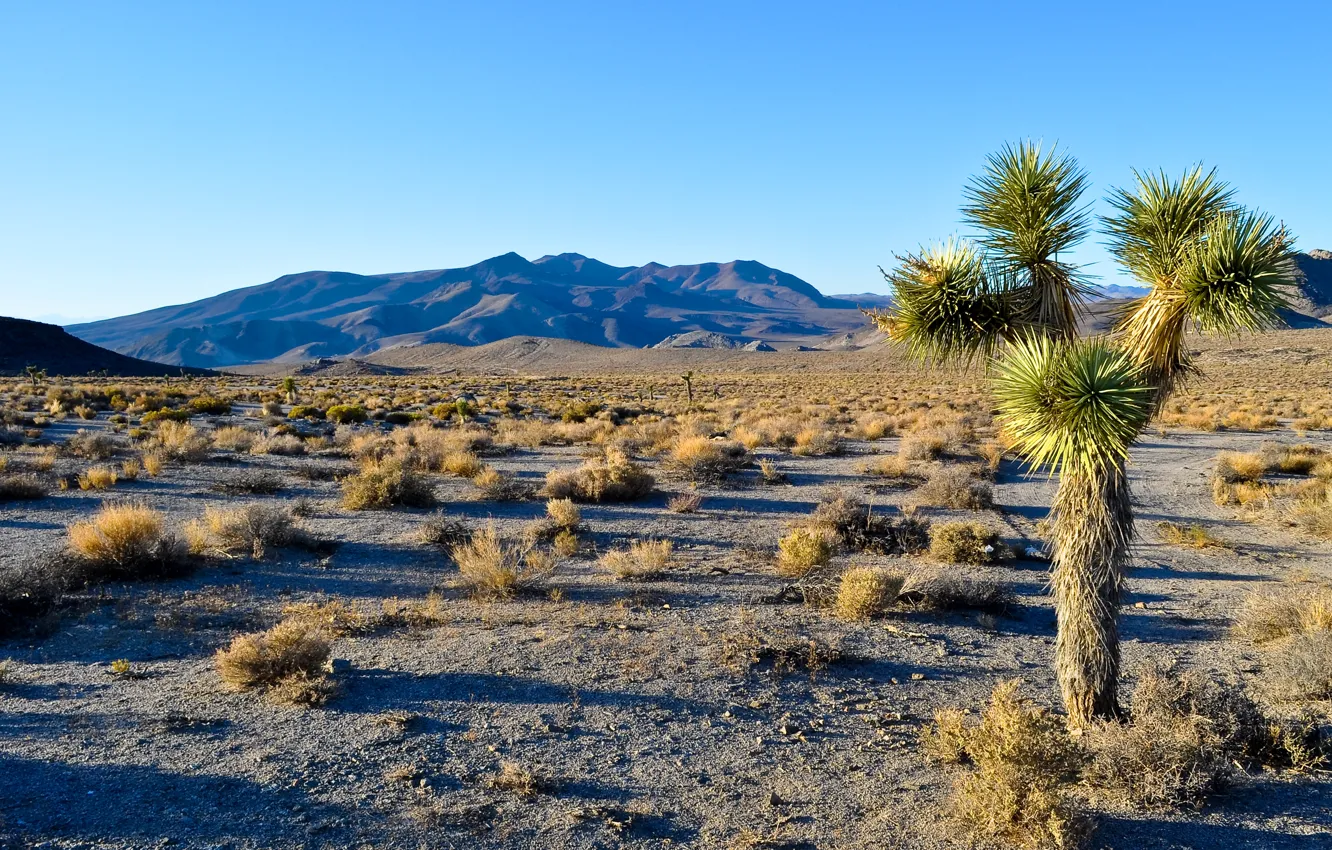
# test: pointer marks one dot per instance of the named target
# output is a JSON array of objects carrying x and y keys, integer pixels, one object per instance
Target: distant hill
[
  {"x": 325, "y": 314},
  {"x": 25, "y": 343},
  {"x": 1314, "y": 281}
]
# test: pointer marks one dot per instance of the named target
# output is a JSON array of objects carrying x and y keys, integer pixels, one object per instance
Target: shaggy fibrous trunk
[{"x": 1093, "y": 526}]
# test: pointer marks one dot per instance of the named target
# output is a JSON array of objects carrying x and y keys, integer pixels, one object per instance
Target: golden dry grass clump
[
  {"x": 1294, "y": 625},
  {"x": 380, "y": 485},
  {"x": 127, "y": 539},
  {"x": 180, "y": 441},
  {"x": 956, "y": 488},
  {"x": 863, "y": 592},
  {"x": 610, "y": 478},
  {"x": 98, "y": 478},
  {"x": 495, "y": 486},
  {"x": 234, "y": 438},
  {"x": 804, "y": 549},
  {"x": 1193, "y": 536},
  {"x": 463, "y": 464},
  {"x": 1239, "y": 467},
  {"x": 701, "y": 458},
  {"x": 250, "y": 529},
  {"x": 494, "y": 570},
  {"x": 1022, "y": 761},
  {"x": 288, "y": 661},
  {"x": 643, "y": 560}
]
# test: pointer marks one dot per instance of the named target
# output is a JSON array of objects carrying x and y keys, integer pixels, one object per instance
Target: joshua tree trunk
[{"x": 1093, "y": 524}]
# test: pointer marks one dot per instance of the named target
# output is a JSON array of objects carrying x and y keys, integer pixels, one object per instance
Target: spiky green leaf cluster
[
  {"x": 1157, "y": 227},
  {"x": 948, "y": 305},
  {"x": 1026, "y": 204},
  {"x": 1238, "y": 276},
  {"x": 1073, "y": 406}
]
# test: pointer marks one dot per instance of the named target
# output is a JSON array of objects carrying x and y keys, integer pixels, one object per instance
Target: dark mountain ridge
[
  {"x": 569, "y": 296},
  {"x": 25, "y": 343}
]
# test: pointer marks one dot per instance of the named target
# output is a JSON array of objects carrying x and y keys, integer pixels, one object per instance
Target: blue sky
[{"x": 158, "y": 153}]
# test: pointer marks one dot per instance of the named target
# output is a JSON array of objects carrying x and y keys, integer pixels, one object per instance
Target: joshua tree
[
  {"x": 288, "y": 387},
  {"x": 1076, "y": 405},
  {"x": 688, "y": 378},
  {"x": 35, "y": 375}
]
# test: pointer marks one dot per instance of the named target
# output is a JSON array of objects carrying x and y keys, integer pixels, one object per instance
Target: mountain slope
[
  {"x": 25, "y": 343},
  {"x": 568, "y": 296}
]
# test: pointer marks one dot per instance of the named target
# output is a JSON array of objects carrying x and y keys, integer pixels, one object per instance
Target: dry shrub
[
  {"x": 863, "y": 592},
  {"x": 1271, "y": 616},
  {"x": 564, "y": 513},
  {"x": 611, "y": 478},
  {"x": 250, "y": 482},
  {"x": 180, "y": 441},
  {"x": 770, "y": 474},
  {"x": 803, "y": 549},
  {"x": 495, "y": 486},
  {"x": 1296, "y": 626},
  {"x": 894, "y": 467},
  {"x": 954, "y": 487},
  {"x": 1022, "y": 762},
  {"x": 1313, "y": 510},
  {"x": 516, "y": 779},
  {"x": 1184, "y": 735},
  {"x": 922, "y": 445},
  {"x": 91, "y": 445},
  {"x": 250, "y": 529},
  {"x": 685, "y": 503},
  {"x": 130, "y": 469},
  {"x": 1243, "y": 493},
  {"x": 1293, "y": 460},
  {"x": 98, "y": 478},
  {"x": 382, "y": 485},
  {"x": 701, "y": 458},
  {"x": 283, "y": 445},
  {"x": 1239, "y": 467},
  {"x": 288, "y": 661},
  {"x": 126, "y": 540},
  {"x": 529, "y": 433},
  {"x": 442, "y": 531},
  {"x": 494, "y": 570},
  {"x": 463, "y": 464},
  {"x": 153, "y": 463},
  {"x": 816, "y": 441},
  {"x": 644, "y": 560},
  {"x": 946, "y": 588},
  {"x": 1193, "y": 536},
  {"x": 16, "y": 488},
  {"x": 565, "y": 543},
  {"x": 965, "y": 543},
  {"x": 1302, "y": 670},
  {"x": 234, "y": 438},
  {"x": 338, "y": 618},
  {"x": 991, "y": 454},
  {"x": 873, "y": 426}
]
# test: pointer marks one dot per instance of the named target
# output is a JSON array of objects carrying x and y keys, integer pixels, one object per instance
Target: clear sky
[{"x": 155, "y": 153}]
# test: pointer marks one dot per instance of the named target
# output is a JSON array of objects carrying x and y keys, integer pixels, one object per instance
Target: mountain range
[
  {"x": 741, "y": 304},
  {"x": 569, "y": 296}
]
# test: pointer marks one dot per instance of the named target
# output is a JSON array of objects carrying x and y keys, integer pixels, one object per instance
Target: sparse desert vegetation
[{"x": 814, "y": 562}]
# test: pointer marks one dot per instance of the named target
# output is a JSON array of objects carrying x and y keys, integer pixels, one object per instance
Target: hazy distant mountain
[
  {"x": 316, "y": 314},
  {"x": 25, "y": 343}
]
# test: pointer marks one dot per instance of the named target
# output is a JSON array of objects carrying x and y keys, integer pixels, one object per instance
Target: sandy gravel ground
[{"x": 617, "y": 696}]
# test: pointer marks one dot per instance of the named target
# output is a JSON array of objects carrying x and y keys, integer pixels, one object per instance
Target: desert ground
[{"x": 719, "y": 692}]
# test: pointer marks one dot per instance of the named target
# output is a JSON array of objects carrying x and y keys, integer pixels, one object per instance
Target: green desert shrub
[
  {"x": 381, "y": 485},
  {"x": 346, "y": 414}
]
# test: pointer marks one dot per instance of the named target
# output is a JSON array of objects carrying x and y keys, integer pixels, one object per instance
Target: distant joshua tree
[
  {"x": 1076, "y": 405},
  {"x": 35, "y": 375},
  {"x": 288, "y": 387},
  {"x": 688, "y": 378}
]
